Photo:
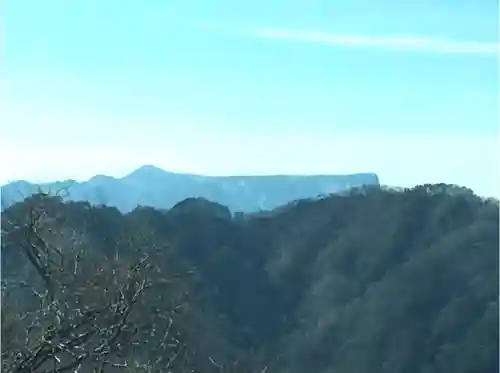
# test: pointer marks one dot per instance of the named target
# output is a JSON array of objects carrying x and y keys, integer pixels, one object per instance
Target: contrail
[{"x": 393, "y": 43}]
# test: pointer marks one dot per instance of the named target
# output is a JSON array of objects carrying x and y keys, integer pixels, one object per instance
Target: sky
[{"x": 408, "y": 90}]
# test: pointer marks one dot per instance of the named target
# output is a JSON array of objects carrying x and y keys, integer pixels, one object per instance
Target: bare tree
[{"x": 76, "y": 311}]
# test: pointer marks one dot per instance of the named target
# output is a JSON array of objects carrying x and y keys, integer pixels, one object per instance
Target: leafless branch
[{"x": 84, "y": 314}]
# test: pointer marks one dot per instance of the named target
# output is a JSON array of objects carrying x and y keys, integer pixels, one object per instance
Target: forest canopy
[{"x": 373, "y": 280}]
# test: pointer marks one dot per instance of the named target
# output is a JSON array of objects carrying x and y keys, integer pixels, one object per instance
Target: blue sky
[{"x": 409, "y": 91}]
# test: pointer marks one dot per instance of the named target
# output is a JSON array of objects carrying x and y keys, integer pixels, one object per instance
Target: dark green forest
[{"x": 373, "y": 280}]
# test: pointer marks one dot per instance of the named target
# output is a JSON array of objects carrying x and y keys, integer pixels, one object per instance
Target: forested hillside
[{"x": 375, "y": 280}]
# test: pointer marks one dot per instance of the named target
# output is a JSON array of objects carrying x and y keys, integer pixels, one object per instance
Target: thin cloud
[{"x": 392, "y": 43}]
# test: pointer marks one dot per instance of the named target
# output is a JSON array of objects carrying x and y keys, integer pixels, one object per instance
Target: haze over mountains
[{"x": 154, "y": 187}]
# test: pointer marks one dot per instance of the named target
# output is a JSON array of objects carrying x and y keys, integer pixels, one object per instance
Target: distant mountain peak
[{"x": 147, "y": 170}]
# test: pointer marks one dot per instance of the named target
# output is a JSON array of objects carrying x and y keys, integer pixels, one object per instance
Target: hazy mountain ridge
[{"x": 152, "y": 186}]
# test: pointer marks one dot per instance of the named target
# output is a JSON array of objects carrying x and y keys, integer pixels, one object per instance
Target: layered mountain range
[{"x": 154, "y": 187}]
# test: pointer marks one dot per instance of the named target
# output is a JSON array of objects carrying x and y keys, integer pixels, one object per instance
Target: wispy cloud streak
[{"x": 397, "y": 43}]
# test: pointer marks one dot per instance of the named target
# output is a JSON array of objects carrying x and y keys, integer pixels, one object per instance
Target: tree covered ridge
[{"x": 374, "y": 280}]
